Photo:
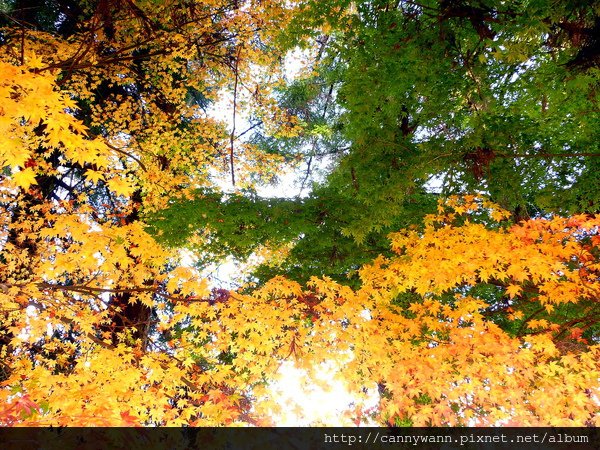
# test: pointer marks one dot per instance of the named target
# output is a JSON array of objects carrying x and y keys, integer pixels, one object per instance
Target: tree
[
  {"x": 104, "y": 124},
  {"x": 103, "y": 117},
  {"x": 485, "y": 95}
]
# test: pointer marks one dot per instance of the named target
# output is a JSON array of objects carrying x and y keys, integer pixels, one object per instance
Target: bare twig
[
  {"x": 129, "y": 155},
  {"x": 247, "y": 130}
]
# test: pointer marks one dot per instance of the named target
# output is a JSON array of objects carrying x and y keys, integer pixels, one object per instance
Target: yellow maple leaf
[
  {"x": 93, "y": 175},
  {"x": 533, "y": 324},
  {"x": 121, "y": 186},
  {"x": 34, "y": 61},
  {"x": 513, "y": 290},
  {"x": 24, "y": 178}
]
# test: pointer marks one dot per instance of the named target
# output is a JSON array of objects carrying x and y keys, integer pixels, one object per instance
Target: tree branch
[{"x": 232, "y": 135}]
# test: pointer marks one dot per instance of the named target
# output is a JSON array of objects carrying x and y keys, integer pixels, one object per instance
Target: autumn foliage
[
  {"x": 472, "y": 320},
  {"x": 447, "y": 360}
]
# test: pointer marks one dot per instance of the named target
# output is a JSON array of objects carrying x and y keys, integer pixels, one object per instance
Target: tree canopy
[{"x": 442, "y": 244}]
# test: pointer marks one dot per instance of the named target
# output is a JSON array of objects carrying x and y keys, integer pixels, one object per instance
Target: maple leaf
[
  {"x": 34, "y": 61},
  {"x": 24, "y": 178},
  {"x": 541, "y": 323},
  {"x": 121, "y": 186},
  {"x": 513, "y": 290},
  {"x": 129, "y": 420},
  {"x": 576, "y": 333},
  {"x": 23, "y": 405},
  {"x": 94, "y": 176}
]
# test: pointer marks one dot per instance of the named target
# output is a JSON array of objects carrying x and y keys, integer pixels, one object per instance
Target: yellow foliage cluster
[{"x": 439, "y": 358}]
